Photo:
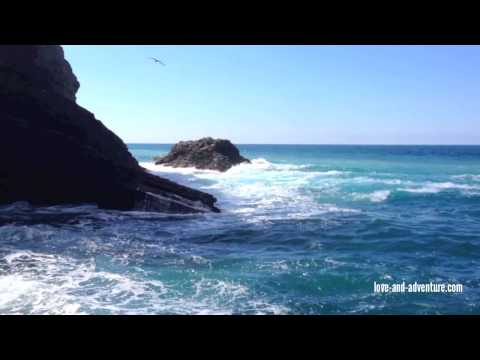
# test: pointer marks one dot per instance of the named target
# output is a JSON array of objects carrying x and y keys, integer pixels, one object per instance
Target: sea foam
[
  {"x": 376, "y": 196},
  {"x": 433, "y": 188},
  {"x": 262, "y": 189}
]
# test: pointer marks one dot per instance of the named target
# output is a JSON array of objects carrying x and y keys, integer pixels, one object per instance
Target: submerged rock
[
  {"x": 52, "y": 151},
  {"x": 206, "y": 153}
]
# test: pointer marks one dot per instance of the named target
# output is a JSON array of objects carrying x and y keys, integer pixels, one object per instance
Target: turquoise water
[{"x": 303, "y": 230}]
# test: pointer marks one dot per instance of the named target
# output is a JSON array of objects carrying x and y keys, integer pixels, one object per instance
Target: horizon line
[{"x": 308, "y": 144}]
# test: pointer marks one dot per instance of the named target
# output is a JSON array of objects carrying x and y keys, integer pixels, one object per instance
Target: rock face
[
  {"x": 43, "y": 67},
  {"x": 206, "y": 153},
  {"x": 52, "y": 151}
]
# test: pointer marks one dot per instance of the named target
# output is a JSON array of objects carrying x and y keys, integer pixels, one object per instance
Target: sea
[{"x": 304, "y": 229}]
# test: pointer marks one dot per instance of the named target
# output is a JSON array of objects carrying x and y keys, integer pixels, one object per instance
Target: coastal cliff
[{"x": 53, "y": 151}]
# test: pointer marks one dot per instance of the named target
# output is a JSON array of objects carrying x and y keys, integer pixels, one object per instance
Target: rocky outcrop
[
  {"x": 41, "y": 67},
  {"x": 53, "y": 151},
  {"x": 206, "y": 153}
]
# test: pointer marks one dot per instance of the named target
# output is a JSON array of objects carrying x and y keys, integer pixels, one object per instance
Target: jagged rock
[
  {"x": 53, "y": 151},
  {"x": 40, "y": 67},
  {"x": 206, "y": 153}
]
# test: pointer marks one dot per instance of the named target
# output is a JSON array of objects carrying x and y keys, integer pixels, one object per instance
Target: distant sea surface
[{"x": 303, "y": 230}]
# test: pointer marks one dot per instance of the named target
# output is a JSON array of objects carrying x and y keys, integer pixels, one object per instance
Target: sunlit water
[{"x": 303, "y": 230}]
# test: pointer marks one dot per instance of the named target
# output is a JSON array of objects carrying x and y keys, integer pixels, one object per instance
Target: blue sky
[{"x": 283, "y": 94}]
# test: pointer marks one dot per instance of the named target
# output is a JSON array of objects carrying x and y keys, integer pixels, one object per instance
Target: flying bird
[{"x": 157, "y": 61}]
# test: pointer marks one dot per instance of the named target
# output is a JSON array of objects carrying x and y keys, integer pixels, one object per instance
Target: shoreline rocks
[
  {"x": 53, "y": 151},
  {"x": 206, "y": 154}
]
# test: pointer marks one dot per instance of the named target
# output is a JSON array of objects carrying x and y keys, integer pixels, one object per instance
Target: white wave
[
  {"x": 376, "y": 196},
  {"x": 261, "y": 190},
  {"x": 168, "y": 169},
  {"x": 263, "y": 164},
  {"x": 322, "y": 209},
  {"x": 47, "y": 284},
  {"x": 433, "y": 188},
  {"x": 38, "y": 283},
  {"x": 371, "y": 180},
  {"x": 379, "y": 196},
  {"x": 467, "y": 177},
  {"x": 13, "y": 287},
  {"x": 26, "y": 276},
  {"x": 255, "y": 164},
  {"x": 330, "y": 173}
]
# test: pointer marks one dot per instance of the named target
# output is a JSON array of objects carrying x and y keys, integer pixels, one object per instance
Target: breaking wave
[
  {"x": 39, "y": 283},
  {"x": 376, "y": 196},
  {"x": 434, "y": 188},
  {"x": 261, "y": 189}
]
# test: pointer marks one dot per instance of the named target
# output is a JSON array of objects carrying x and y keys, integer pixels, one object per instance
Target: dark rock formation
[
  {"x": 206, "y": 153},
  {"x": 42, "y": 67},
  {"x": 52, "y": 151}
]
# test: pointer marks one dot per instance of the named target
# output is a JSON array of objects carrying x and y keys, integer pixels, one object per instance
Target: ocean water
[{"x": 303, "y": 230}]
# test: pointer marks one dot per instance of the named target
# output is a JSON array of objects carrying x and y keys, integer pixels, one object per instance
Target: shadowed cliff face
[
  {"x": 42, "y": 67},
  {"x": 53, "y": 151}
]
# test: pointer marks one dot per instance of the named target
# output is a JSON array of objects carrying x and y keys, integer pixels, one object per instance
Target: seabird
[{"x": 157, "y": 61}]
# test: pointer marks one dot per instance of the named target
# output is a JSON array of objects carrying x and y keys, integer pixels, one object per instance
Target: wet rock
[{"x": 206, "y": 153}]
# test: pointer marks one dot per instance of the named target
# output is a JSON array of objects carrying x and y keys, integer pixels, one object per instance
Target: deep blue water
[{"x": 304, "y": 230}]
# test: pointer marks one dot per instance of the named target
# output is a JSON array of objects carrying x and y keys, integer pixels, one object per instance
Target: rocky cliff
[{"x": 53, "y": 151}]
